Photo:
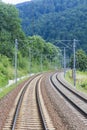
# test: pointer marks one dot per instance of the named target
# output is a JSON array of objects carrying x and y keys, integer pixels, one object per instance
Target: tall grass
[
  {"x": 81, "y": 80},
  {"x": 7, "y": 69}
]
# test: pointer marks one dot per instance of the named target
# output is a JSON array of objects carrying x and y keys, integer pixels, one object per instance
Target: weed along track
[{"x": 30, "y": 111}]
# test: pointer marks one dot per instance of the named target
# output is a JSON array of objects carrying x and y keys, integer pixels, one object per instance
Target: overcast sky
[{"x": 14, "y": 1}]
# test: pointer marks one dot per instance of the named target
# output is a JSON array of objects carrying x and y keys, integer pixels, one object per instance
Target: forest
[
  {"x": 34, "y": 53},
  {"x": 35, "y": 35},
  {"x": 56, "y": 20}
]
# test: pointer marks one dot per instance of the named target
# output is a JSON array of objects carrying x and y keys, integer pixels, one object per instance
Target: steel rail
[
  {"x": 71, "y": 89},
  {"x": 19, "y": 104},
  {"x": 39, "y": 106},
  {"x": 76, "y": 106},
  {"x": 45, "y": 122}
]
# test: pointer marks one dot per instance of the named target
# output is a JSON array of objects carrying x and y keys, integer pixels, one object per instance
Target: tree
[
  {"x": 39, "y": 47},
  {"x": 55, "y": 19},
  {"x": 81, "y": 60},
  {"x": 10, "y": 29}
]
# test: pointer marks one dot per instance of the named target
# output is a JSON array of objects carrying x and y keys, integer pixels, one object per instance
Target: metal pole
[
  {"x": 64, "y": 61},
  {"x": 74, "y": 63},
  {"x": 16, "y": 48},
  {"x": 41, "y": 63},
  {"x": 29, "y": 60},
  {"x": 50, "y": 62},
  {"x": 55, "y": 63}
]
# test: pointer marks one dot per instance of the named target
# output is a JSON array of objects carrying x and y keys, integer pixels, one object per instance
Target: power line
[{"x": 74, "y": 59}]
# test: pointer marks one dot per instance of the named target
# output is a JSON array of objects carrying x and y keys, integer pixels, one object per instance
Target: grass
[
  {"x": 10, "y": 88},
  {"x": 23, "y": 68},
  {"x": 81, "y": 80}
]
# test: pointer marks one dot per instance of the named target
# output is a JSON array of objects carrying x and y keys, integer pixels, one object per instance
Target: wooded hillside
[
  {"x": 56, "y": 19},
  {"x": 34, "y": 54}
]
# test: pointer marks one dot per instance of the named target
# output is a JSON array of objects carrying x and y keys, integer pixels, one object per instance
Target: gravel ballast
[
  {"x": 7, "y": 102},
  {"x": 63, "y": 115}
]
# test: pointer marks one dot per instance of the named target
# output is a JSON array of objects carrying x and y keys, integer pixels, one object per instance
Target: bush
[{"x": 84, "y": 85}]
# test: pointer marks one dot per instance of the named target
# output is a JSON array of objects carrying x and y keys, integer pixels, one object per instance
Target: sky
[{"x": 14, "y": 1}]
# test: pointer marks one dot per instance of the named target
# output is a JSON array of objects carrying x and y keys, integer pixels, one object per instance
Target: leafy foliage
[
  {"x": 55, "y": 19},
  {"x": 6, "y": 70},
  {"x": 41, "y": 51},
  {"x": 81, "y": 60},
  {"x": 39, "y": 57},
  {"x": 81, "y": 80},
  {"x": 10, "y": 29}
]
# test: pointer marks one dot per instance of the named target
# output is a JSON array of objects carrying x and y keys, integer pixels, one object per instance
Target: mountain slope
[{"x": 55, "y": 19}]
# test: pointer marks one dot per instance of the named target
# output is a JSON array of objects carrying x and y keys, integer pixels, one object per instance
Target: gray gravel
[
  {"x": 63, "y": 115},
  {"x": 6, "y": 104}
]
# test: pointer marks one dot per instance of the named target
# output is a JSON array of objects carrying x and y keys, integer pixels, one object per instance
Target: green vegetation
[
  {"x": 43, "y": 54},
  {"x": 81, "y": 60},
  {"x": 81, "y": 80},
  {"x": 6, "y": 90},
  {"x": 34, "y": 53},
  {"x": 56, "y": 19},
  {"x": 51, "y": 19},
  {"x": 10, "y": 29},
  {"x": 6, "y": 70}
]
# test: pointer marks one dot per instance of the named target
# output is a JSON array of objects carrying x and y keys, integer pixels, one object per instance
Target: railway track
[
  {"x": 78, "y": 101},
  {"x": 29, "y": 111}
]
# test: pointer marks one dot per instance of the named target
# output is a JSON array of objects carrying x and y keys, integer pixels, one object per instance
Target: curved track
[
  {"x": 73, "y": 97},
  {"x": 29, "y": 111}
]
